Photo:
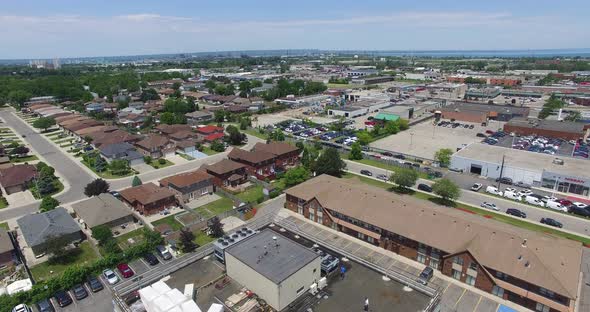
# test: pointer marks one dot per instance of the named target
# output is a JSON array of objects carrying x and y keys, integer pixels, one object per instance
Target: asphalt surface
[
  {"x": 571, "y": 223},
  {"x": 65, "y": 167}
]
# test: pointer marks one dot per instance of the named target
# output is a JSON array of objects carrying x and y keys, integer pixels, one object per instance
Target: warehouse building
[
  {"x": 475, "y": 112},
  {"x": 274, "y": 267},
  {"x": 566, "y": 175},
  {"x": 347, "y": 111},
  {"x": 566, "y": 130}
]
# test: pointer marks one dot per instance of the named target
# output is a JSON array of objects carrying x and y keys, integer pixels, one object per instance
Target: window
[
  {"x": 360, "y": 235},
  {"x": 541, "y": 308},
  {"x": 300, "y": 289},
  {"x": 546, "y": 292},
  {"x": 370, "y": 239},
  {"x": 456, "y": 274},
  {"x": 498, "y": 291},
  {"x": 311, "y": 215},
  {"x": 458, "y": 260},
  {"x": 501, "y": 275},
  {"x": 320, "y": 219},
  {"x": 470, "y": 280},
  {"x": 473, "y": 266},
  {"x": 300, "y": 210},
  {"x": 433, "y": 263},
  {"x": 421, "y": 258}
]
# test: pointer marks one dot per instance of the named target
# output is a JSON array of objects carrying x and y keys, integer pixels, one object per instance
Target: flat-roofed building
[
  {"x": 566, "y": 130},
  {"x": 534, "y": 269},
  {"x": 476, "y": 112}
]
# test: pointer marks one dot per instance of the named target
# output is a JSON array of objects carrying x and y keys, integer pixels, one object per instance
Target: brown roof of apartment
[
  {"x": 553, "y": 263},
  {"x": 101, "y": 128},
  {"x": 275, "y": 148},
  {"x": 169, "y": 129},
  {"x": 153, "y": 141},
  {"x": 37, "y": 106},
  {"x": 186, "y": 179},
  {"x": 70, "y": 121},
  {"x": 224, "y": 166},
  {"x": 184, "y": 134},
  {"x": 146, "y": 193},
  {"x": 117, "y": 136},
  {"x": 68, "y": 117},
  {"x": 82, "y": 124},
  {"x": 255, "y": 157},
  {"x": 187, "y": 143},
  {"x": 17, "y": 175}
]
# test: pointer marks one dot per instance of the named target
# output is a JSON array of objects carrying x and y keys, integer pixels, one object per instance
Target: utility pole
[{"x": 501, "y": 171}]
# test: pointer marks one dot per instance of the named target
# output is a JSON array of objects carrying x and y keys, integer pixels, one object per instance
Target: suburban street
[{"x": 571, "y": 223}]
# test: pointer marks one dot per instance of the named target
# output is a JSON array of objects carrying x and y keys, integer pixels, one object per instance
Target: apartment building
[{"x": 536, "y": 270}]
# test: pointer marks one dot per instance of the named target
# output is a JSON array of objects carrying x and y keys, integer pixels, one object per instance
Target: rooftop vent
[
  {"x": 527, "y": 264},
  {"x": 524, "y": 243},
  {"x": 224, "y": 243},
  {"x": 519, "y": 257}
]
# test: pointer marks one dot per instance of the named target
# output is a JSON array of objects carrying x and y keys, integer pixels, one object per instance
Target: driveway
[
  {"x": 20, "y": 199},
  {"x": 73, "y": 174}
]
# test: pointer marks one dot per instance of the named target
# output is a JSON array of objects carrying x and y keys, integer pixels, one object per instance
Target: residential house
[
  {"x": 121, "y": 151},
  {"x": 215, "y": 99},
  {"x": 17, "y": 178},
  {"x": 61, "y": 119},
  {"x": 538, "y": 271},
  {"x": 7, "y": 252},
  {"x": 189, "y": 185},
  {"x": 227, "y": 173},
  {"x": 132, "y": 120},
  {"x": 39, "y": 228},
  {"x": 198, "y": 117},
  {"x": 82, "y": 133},
  {"x": 95, "y": 108},
  {"x": 167, "y": 130},
  {"x": 156, "y": 146},
  {"x": 286, "y": 155},
  {"x": 161, "y": 84},
  {"x": 148, "y": 198},
  {"x": 187, "y": 146},
  {"x": 206, "y": 131},
  {"x": 103, "y": 209},
  {"x": 117, "y": 136},
  {"x": 258, "y": 163},
  {"x": 71, "y": 128},
  {"x": 183, "y": 135}
]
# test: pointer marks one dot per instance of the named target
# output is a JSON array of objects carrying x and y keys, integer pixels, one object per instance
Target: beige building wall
[
  {"x": 252, "y": 280},
  {"x": 288, "y": 289}
]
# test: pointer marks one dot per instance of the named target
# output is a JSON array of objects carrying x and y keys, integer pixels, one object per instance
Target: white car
[
  {"x": 110, "y": 276},
  {"x": 579, "y": 204},
  {"x": 21, "y": 308},
  {"x": 476, "y": 187},
  {"x": 525, "y": 192},
  {"x": 490, "y": 206},
  {"x": 549, "y": 198},
  {"x": 510, "y": 189}
]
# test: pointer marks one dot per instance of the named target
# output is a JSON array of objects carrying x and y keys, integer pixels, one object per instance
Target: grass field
[
  {"x": 256, "y": 133},
  {"x": 24, "y": 159},
  {"x": 107, "y": 174},
  {"x": 175, "y": 225},
  {"x": 84, "y": 254},
  {"x": 156, "y": 164},
  {"x": 135, "y": 234},
  {"x": 3, "y": 203},
  {"x": 216, "y": 207},
  {"x": 4, "y": 225},
  {"x": 207, "y": 150},
  {"x": 202, "y": 239},
  {"x": 252, "y": 194}
]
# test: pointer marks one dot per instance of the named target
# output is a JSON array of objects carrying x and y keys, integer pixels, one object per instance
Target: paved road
[
  {"x": 571, "y": 223},
  {"x": 64, "y": 166}
]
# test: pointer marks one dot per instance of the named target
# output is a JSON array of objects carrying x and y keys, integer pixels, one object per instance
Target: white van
[
  {"x": 534, "y": 201},
  {"x": 512, "y": 195},
  {"x": 493, "y": 190},
  {"x": 555, "y": 205}
]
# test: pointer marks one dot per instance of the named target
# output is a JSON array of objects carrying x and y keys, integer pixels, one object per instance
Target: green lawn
[
  {"x": 214, "y": 208},
  {"x": 202, "y": 239},
  {"x": 137, "y": 235},
  {"x": 63, "y": 140},
  {"x": 23, "y": 159},
  {"x": 58, "y": 188},
  {"x": 170, "y": 221},
  {"x": 66, "y": 145},
  {"x": 207, "y": 150},
  {"x": 485, "y": 213},
  {"x": 156, "y": 164},
  {"x": 4, "y": 225},
  {"x": 256, "y": 133},
  {"x": 3, "y": 203},
  {"x": 252, "y": 194},
  {"x": 107, "y": 174},
  {"x": 85, "y": 255},
  {"x": 185, "y": 156}
]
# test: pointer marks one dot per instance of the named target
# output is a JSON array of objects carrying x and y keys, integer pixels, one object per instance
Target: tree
[
  {"x": 355, "y": 152},
  {"x": 443, "y": 156},
  {"x": 296, "y": 175},
  {"x": 446, "y": 189},
  {"x": 216, "y": 227},
  {"x": 44, "y": 123},
  {"x": 88, "y": 139},
  {"x": 45, "y": 185},
  {"x": 217, "y": 146},
  {"x": 136, "y": 181},
  {"x": 235, "y": 137},
  {"x": 119, "y": 167},
  {"x": 168, "y": 118},
  {"x": 219, "y": 116},
  {"x": 187, "y": 243},
  {"x": 102, "y": 234},
  {"x": 404, "y": 177},
  {"x": 100, "y": 164},
  {"x": 300, "y": 145},
  {"x": 18, "y": 97},
  {"x": 245, "y": 122},
  {"x": 56, "y": 248},
  {"x": 148, "y": 95},
  {"x": 364, "y": 138},
  {"x": 20, "y": 150},
  {"x": 277, "y": 135},
  {"x": 329, "y": 162},
  {"x": 147, "y": 159},
  {"x": 96, "y": 187},
  {"x": 308, "y": 158},
  {"x": 392, "y": 127},
  {"x": 574, "y": 116},
  {"x": 48, "y": 203}
]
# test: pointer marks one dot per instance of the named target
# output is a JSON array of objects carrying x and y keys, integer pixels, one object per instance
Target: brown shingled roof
[
  {"x": 186, "y": 178},
  {"x": 224, "y": 166},
  {"x": 554, "y": 263},
  {"x": 17, "y": 175},
  {"x": 146, "y": 193},
  {"x": 275, "y": 148},
  {"x": 153, "y": 141},
  {"x": 255, "y": 157}
]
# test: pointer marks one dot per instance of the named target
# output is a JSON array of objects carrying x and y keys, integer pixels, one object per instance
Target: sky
[{"x": 83, "y": 28}]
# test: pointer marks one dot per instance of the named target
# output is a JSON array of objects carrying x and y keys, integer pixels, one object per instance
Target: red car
[
  {"x": 490, "y": 132},
  {"x": 565, "y": 202},
  {"x": 125, "y": 270}
]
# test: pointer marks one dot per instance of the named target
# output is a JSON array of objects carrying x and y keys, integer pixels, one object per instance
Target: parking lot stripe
[
  {"x": 446, "y": 288},
  {"x": 456, "y": 303},
  {"x": 477, "y": 304}
]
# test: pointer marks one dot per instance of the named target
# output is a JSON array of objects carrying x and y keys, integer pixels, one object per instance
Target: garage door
[{"x": 476, "y": 169}]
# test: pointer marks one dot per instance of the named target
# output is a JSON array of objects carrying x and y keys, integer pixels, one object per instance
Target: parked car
[
  {"x": 63, "y": 298},
  {"x": 555, "y": 205},
  {"x": 476, "y": 187},
  {"x": 493, "y": 190},
  {"x": 551, "y": 222},
  {"x": 94, "y": 284},
  {"x": 584, "y": 212},
  {"x": 525, "y": 192},
  {"x": 580, "y": 205},
  {"x": 490, "y": 206},
  {"x": 505, "y": 180},
  {"x": 110, "y": 276},
  {"x": 367, "y": 173},
  {"x": 515, "y": 212},
  {"x": 45, "y": 305},
  {"x": 565, "y": 202},
  {"x": 424, "y": 187},
  {"x": 425, "y": 275},
  {"x": 389, "y": 154},
  {"x": 548, "y": 198},
  {"x": 533, "y": 200},
  {"x": 480, "y": 135},
  {"x": 150, "y": 258},
  {"x": 163, "y": 252},
  {"x": 382, "y": 177},
  {"x": 79, "y": 292},
  {"x": 125, "y": 270},
  {"x": 512, "y": 195},
  {"x": 21, "y": 308}
]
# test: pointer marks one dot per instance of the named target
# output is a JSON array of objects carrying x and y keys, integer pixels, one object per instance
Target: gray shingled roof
[
  {"x": 37, "y": 228},
  {"x": 101, "y": 209},
  {"x": 279, "y": 263}
]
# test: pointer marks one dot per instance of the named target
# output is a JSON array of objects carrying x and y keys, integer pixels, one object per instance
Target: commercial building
[
  {"x": 483, "y": 93},
  {"x": 567, "y": 130},
  {"x": 347, "y": 111},
  {"x": 447, "y": 90},
  {"x": 536, "y": 270},
  {"x": 475, "y": 112},
  {"x": 371, "y": 80},
  {"x": 274, "y": 267},
  {"x": 566, "y": 175}
]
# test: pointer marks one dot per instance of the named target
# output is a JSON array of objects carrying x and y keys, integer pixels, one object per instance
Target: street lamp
[{"x": 411, "y": 139}]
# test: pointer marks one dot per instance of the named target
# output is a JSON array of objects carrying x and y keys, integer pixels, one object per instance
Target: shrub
[{"x": 162, "y": 161}]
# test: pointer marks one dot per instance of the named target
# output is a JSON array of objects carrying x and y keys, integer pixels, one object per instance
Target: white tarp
[{"x": 18, "y": 286}]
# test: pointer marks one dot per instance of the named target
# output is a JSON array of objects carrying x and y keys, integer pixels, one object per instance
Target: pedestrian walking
[
  {"x": 342, "y": 271},
  {"x": 366, "y": 304}
]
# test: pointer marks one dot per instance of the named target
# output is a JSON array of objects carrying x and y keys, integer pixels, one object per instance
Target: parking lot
[
  {"x": 424, "y": 139},
  {"x": 551, "y": 146}
]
